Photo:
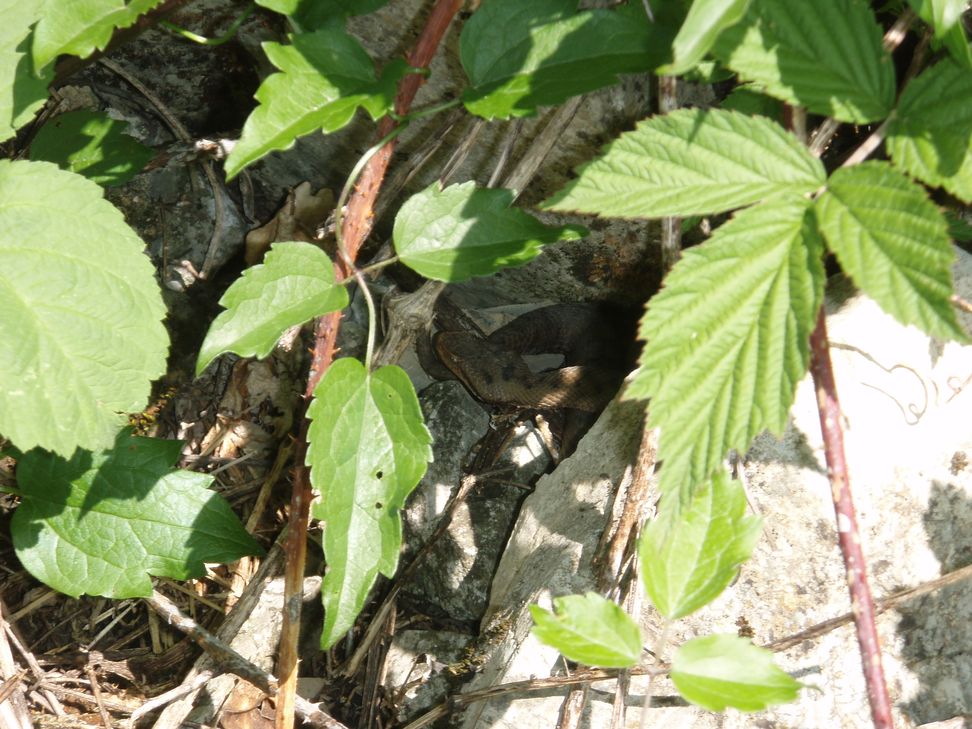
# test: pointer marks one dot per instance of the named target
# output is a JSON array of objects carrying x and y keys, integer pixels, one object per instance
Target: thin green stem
[
  {"x": 427, "y": 111},
  {"x": 371, "y": 268},
  {"x": 339, "y": 236},
  {"x": 203, "y": 40}
]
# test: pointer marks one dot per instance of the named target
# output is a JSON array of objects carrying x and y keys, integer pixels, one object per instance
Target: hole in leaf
[{"x": 379, "y": 474}]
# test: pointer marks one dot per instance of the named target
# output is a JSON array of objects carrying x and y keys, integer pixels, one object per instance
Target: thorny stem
[
  {"x": 848, "y": 534},
  {"x": 356, "y": 225}
]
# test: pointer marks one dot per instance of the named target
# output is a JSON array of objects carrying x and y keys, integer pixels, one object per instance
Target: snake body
[{"x": 596, "y": 344}]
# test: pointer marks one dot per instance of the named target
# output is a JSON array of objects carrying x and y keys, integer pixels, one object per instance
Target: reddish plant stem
[
  {"x": 848, "y": 534},
  {"x": 358, "y": 221}
]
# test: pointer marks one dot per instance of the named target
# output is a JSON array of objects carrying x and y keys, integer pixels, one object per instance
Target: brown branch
[
  {"x": 848, "y": 534},
  {"x": 357, "y": 224}
]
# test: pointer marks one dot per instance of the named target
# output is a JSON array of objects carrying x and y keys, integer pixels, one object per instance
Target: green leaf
[
  {"x": 589, "y": 629},
  {"x": 930, "y": 135},
  {"x": 294, "y": 284},
  {"x": 325, "y": 76},
  {"x": 705, "y": 20},
  {"x": 81, "y": 333},
  {"x": 522, "y": 55},
  {"x": 942, "y": 15},
  {"x": 747, "y": 100},
  {"x": 826, "y": 56},
  {"x": 687, "y": 564},
  {"x": 284, "y": 7},
  {"x": 465, "y": 231},
  {"x": 80, "y": 27},
  {"x": 722, "y": 671},
  {"x": 313, "y": 14},
  {"x": 25, "y": 93},
  {"x": 728, "y": 339},
  {"x": 368, "y": 448},
  {"x": 958, "y": 228},
  {"x": 102, "y": 523},
  {"x": 892, "y": 240},
  {"x": 91, "y": 144},
  {"x": 957, "y": 44},
  {"x": 691, "y": 162}
]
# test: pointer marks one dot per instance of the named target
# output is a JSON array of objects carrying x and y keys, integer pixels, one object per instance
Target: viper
[{"x": 596, "y": 341}]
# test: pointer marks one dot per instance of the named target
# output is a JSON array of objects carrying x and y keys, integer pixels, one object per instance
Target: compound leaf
[
  {"x": 728, "y": 338},
  {"x": 826, "y": 56},
  {"x": 590, "y": 630},
  {"x": 722, "y": 671},
  {"x": 294, "y": 284},
  {"x": 81, "y": 335},
  {"x": 102, "y": 523},
  {"x": 930, "y": 135},
  {"x": 687, "y": 564},
  {"x": 80, "y": 27},
  {"x": 522, "y": 55},
  {"x": 892, "y": 240},
  {"x": 691, "y": 162},
  {"x": 91, "y": 144},
  {"x": 325, "y": 76},
  {"x": 462, "y": 231},
  {"x": 705, "y": 20},
  {"x": 25, "y": 90},
  {"x": 368, "y": 448}
]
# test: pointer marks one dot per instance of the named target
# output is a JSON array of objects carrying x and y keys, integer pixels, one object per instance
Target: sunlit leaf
[
  {"x": 462, "y": 231},
  {"x": 727, "y": 339},
  {"x": 590, "y": 630},
  {"x": 368, "y": 448},
  {"x": 294, "y": 284},
  {"x": 688, "y": 563},
  {"x": 719, "y": 672},
  {"x": 892, "y": 240},
  {"x": 81, "y": 334},
  {"x": 691, "y": 162}
]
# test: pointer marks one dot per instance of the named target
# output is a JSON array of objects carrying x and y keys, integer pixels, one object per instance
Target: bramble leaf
[
  {"x": 747, "y": 100},
  {"x": 523, "y": 55},
  {"x": 81, "y": 27},
  {"x": 942, "y": 15},
  {"x": 892, "y": 240},
  {"x": 26, "y": 90},
  {"x": 465, "y": 231},
  {"x": 687, "y": 564},
  {"x": 691, "y": 162},
  {"x": 930, "y": 135},
  {"x": 91, "y": 144},
  {"x": 294, "y": 284},
  {"x": 590, "y": 630},
  {"x": 722, "y": 671},
  {"x": 705, "y": 20},
  {"x": 102, "y": 523},
  {"x": 284, "y": 7},
  {"x": 368, "y": 448},
  {"x": 81, "y": 335},
  {"x": 826, "y": 56},
  {"x": 324, "y": 77},
  {"x": 313, "y": 14},
  {"x": 728, "y": 339}
]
